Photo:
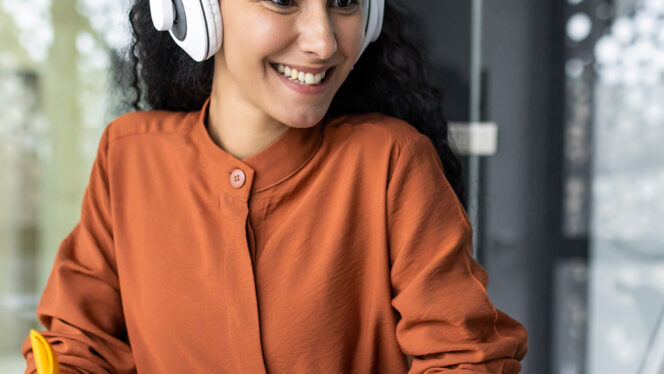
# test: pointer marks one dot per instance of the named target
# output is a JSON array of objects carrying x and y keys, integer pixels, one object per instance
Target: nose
[{"x": 316, "y": 32}]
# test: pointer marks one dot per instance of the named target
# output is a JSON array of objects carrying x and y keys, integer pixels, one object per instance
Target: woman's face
[{"x": 308, "y": 33}]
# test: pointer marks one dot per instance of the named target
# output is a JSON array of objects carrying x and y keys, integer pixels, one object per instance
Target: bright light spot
[
  {"x": 623, "y": 30},
  {"x": 632, "y": 53},
  {"x": 579, "y": 27},
  {"x": 645, "y": 23},
  {"x": 574, "y": 68},
  {"x": 607, "y": 50},
  {"x": 85, "y": 43},
  {"x": 643, "y": 50}
]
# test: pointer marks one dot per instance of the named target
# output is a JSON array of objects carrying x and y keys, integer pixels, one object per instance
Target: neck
[{"x": 238, "y": 127}]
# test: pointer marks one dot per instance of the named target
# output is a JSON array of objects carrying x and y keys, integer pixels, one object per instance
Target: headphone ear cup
[
  {"x": 194, "y": 25},
  {"x": 215, "y": 27},
  {"x": 374, "y": 22},
  {"x": 380, "y": 15},
  {"x": 162, "y": 13}
]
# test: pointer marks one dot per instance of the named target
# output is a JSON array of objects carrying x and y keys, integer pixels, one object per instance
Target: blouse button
[{"x": 237, "y": 178}]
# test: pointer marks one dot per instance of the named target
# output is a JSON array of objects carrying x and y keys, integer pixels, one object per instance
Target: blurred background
[{"x": 568, "y": 210}]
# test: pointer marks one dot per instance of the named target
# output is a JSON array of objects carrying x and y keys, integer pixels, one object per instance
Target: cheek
[
  {"x": 271, "y": 29},
  {"x": 350, "y": 34},
  {"x": 266, "y": 35}
]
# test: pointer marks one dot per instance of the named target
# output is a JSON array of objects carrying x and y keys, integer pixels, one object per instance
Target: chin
[
  {"x": 304, "y": 120},
  {"x": 302, "y": 124}
]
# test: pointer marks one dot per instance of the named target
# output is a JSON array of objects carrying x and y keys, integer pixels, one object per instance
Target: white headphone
[{"x": 195, "y": 25}]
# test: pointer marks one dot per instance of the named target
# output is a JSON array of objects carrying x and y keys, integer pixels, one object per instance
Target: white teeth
[{"x": 300, "y": 76}]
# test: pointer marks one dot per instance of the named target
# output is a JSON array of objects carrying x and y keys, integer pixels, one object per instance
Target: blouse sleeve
[
  {"x": 81, "y": 304},
  {"x": 447, "y": 321}
]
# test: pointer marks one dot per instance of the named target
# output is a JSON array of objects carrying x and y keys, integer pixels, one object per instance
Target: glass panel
[
  {"x": 626, "y": 286},
  {"x": 608, "y": 309},
  {"x": 55, "y": 78}
]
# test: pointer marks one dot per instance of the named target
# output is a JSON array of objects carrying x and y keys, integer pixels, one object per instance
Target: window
[{"x": 56, "y": 77}]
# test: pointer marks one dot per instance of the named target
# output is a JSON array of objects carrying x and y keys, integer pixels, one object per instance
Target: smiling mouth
[{"x": 328, "y": 73}]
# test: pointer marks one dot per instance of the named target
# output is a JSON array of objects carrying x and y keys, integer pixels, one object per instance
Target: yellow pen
[{"x": 46, "y": 360}]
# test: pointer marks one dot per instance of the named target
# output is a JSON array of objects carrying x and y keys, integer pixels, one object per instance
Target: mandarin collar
[{"x": 278, "y": 161}]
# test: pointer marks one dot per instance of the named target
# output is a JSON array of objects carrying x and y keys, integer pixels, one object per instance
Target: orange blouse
[{"x": 339, "y": 248}]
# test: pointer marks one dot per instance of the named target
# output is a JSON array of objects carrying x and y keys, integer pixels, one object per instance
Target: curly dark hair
[{"x": 390, "y": 78}]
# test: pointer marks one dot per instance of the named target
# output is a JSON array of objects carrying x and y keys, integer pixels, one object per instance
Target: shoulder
[
  {"x": 146, "y": 122},
  {"x": 375, "y": 129},
  {"x": 379, "y": 143}
]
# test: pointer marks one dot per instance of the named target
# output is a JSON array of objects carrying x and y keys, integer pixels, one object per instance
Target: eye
[
  {"x": 280, "y": 3},
  {"x": 346, "y": 3},
  {"x": 288, "y": 3}
]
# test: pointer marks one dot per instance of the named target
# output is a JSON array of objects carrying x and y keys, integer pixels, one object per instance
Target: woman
[{"x": 249, "y": 223}]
